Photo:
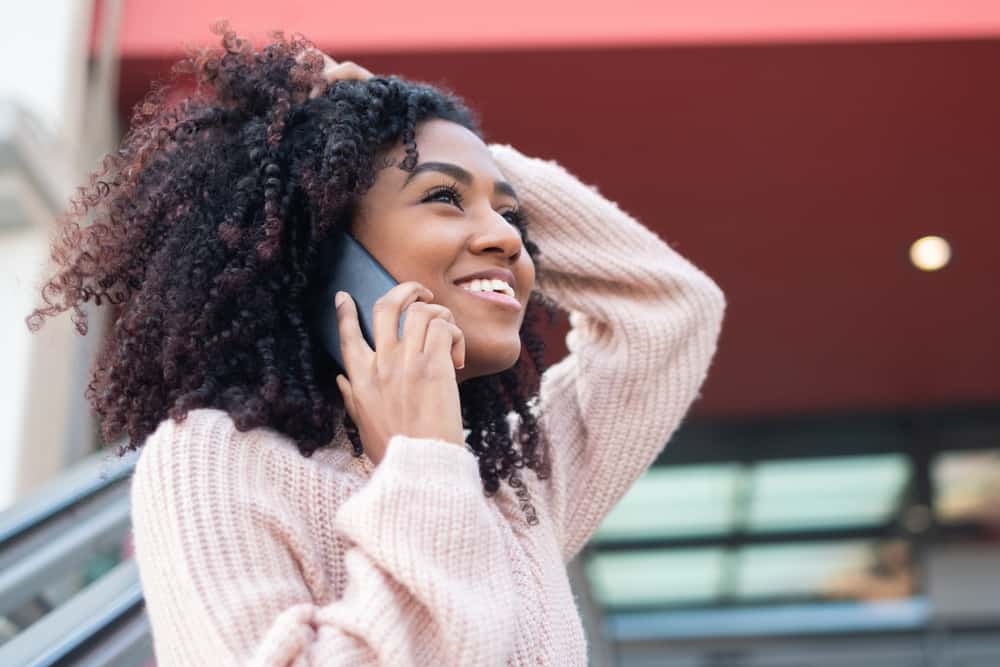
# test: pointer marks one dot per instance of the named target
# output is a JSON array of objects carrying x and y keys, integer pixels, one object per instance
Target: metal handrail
[
  {"x": 85, "y": 479},
  {"x": 110, "y": 610},
  {"x": 49, "y": 554},
  {"x": 49, "y": 534}
]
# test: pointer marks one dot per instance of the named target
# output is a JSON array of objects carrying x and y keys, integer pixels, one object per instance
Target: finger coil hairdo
[{"x": 202, "y": 230}]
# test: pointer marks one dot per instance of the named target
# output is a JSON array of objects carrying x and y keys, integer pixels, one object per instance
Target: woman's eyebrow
[{"x": 459, "y": 174}]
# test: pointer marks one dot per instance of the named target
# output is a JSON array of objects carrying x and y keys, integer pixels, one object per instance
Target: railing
[{"x": 69, "y": 591}]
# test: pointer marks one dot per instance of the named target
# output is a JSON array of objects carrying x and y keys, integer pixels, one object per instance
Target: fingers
[
  {"x": 417, "y": 334},
  {"x": 444, "y": 338},
  {"x": 419, "y": 316},
  {"x": 353, "y": 347},
  {"x": 334, "y": 71},
  {"x": 328, "y": 63},
  {"x": 300, "y": 58},
  {"x": 346, "y": 70},
  {"x": 387, "y": 310}
]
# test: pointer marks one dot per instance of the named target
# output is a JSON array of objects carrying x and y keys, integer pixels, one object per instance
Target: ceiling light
[{"x": 930, "y": 253}]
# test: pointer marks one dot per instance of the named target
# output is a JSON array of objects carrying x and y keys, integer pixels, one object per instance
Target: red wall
[{"x": 796, "y": 175}]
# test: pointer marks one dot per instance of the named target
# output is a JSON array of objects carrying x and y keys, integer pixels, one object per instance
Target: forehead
[{"x": 444, "y": 141}]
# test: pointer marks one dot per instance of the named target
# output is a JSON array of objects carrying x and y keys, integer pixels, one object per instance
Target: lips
[
  {"x": 498, "y": 299},
  {"x": 491, "y": 274}
]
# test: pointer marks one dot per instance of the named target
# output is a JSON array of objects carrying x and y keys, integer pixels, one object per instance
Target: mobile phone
[{"x": 347, "y": 266}]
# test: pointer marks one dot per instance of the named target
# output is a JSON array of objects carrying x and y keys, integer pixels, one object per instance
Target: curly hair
[{"x": 204, "y": 233}]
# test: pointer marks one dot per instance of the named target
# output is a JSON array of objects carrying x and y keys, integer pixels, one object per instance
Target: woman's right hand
[
  {"x": 333, "y": 71},
  {"x": 405, "y": 386}
]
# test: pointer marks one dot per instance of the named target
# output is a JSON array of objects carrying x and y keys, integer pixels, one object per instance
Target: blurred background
[{"x": 833, "y": 497}]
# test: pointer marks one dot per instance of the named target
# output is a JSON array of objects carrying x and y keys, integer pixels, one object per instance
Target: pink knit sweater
[{"x": 251, "y": 554}]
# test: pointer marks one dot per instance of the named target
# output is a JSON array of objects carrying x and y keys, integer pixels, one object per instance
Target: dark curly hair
[{"x": 204, "y": 236}]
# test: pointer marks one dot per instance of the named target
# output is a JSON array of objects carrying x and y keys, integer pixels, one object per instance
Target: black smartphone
[{"x": 347, "y": 266}]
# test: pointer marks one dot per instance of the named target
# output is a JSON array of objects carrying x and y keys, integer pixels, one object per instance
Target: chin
[
  {"x": 507, "y": 356},
  {"x": 498, "y": 362}
]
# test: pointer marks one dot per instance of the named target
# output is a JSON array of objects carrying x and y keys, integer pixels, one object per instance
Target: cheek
[{"x": 418, "y": 263}]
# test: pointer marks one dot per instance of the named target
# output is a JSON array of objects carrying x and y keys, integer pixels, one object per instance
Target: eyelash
[{"x": 517, "y": 217}]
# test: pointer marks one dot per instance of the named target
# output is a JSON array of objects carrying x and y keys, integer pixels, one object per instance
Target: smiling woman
[
  {"x": 452, "y": 218},
  {"x": 261, "y": 537}
]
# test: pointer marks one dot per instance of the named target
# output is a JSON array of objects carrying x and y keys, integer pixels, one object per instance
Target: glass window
[
  {"x": 675, "y": 501},
  {"x": 826, "y": 493},
  {"x": 793, "y": 570},
  {"x": 655, "y": 577}
]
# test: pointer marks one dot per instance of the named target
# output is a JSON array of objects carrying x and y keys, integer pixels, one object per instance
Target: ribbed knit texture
[{"x": 251, "y": 554}]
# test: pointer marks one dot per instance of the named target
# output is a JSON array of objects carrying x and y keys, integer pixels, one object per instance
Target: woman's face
[{"x": 417, "y": 230}]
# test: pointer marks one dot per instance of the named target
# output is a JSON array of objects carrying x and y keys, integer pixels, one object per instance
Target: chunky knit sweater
[{"x": 251, "y": 554}]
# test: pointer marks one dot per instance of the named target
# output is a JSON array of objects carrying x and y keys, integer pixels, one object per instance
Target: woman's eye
[
  {"x": 515, "y": 218},
  {"x": 450, "y": 193},
  {"x": 445, "y": 194}
]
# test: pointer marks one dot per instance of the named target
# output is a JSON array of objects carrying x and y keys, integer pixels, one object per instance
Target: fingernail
[
  {"x": 339, "y": 299},
  {"x": 458, "y": 368}
]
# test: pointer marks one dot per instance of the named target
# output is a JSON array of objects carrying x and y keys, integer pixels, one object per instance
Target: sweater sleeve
[
  {"x": 224, "y": 559},
  {"x": 644, "y": 328}
]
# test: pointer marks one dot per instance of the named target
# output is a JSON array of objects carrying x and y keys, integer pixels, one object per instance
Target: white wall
[
  {"x": 43, "y": 60},
  {"x": 44, "y": 421}
]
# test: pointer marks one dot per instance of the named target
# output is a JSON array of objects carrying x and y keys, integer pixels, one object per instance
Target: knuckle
[
  {"x": 415, "y": 372},
  {"x": 444, "y": 326},
  {"x": 442, "y": 322},
  {"x": 438, "y": 311},
  {"x": 384, "y": 373},
  {"x": 397, "y": 293},
  {"x": 412, "y": 312},
  {"x": 412, "y": 284}
]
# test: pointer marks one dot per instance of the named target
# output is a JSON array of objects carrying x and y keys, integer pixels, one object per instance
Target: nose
[{"x": 497, "y": 234}]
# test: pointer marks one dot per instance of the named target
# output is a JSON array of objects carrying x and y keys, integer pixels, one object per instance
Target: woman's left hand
[{"x": 334, "y": 71}]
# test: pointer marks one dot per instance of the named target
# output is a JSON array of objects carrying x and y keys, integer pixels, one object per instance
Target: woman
[{"x": 261, "y": 538}]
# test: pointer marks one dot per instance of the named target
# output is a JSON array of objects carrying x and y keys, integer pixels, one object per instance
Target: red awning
[{"x": 152, "y": 27}]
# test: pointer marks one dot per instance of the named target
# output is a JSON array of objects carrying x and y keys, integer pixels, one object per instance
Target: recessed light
[{"x": 930, "y": 253}]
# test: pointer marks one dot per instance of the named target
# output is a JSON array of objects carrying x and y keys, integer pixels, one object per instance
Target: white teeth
[{"x": 484, "y": 285}]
